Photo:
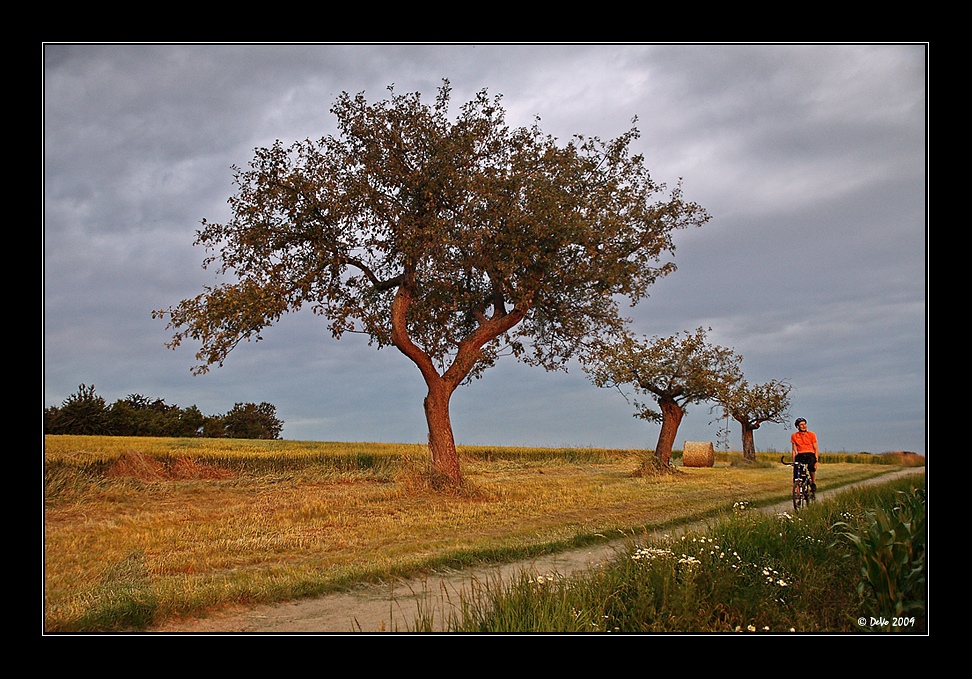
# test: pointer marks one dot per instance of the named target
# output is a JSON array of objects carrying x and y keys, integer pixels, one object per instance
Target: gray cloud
[{"x": 811, "y": 159}]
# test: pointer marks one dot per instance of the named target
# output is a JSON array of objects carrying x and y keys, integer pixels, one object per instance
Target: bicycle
[{"x": 803, "y": 491}]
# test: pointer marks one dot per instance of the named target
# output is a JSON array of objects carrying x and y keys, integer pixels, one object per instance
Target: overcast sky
[{"x": 811, "y": 159}]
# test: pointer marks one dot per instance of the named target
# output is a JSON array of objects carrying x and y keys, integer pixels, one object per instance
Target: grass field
[
  {"x": 140, "y": 530},
  {"x": 855, "y": 564}
]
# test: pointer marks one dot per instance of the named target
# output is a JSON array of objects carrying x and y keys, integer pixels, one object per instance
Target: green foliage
[
  {"x": 85, "y": 413},
  {"x": 81, "y": 413},
  {"x": 682, "y": 369},
  {"x": 138, "y": 415},
  {"x": 674, "y": 371},
  {"x": 475, "y": 229},
  {"x": 752, "y": 405},
  {"x": 123, "y": 598},
  {"x": 750, "y": 573},
  {"x": 890, "y": 544},
  {"x": 251, "y": 421}
]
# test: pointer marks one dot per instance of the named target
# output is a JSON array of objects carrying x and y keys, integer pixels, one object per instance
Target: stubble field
[{"x": 138, "y": 532}]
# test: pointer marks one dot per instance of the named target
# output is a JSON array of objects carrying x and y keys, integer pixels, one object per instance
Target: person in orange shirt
[{"x": 805, "y": 449}]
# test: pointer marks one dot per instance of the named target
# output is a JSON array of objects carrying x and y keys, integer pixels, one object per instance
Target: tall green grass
[
  {"x": 890, "y": 544},
  {"x": 749, "y": 573}
]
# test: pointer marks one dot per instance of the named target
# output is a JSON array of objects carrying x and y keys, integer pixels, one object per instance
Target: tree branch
[{"x": 379, "y": 284}]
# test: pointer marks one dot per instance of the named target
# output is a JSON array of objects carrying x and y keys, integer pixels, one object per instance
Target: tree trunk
[
  {"x": 671, "y": 417},
  {"x": 748, "y": 446},
  {"x": 442, "y": 443}
]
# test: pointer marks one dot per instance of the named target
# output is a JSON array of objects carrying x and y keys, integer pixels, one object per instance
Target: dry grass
[{"x": 175, "y": 527}]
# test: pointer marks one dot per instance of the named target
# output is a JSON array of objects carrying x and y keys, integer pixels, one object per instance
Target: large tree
[
  {"x": 453, "y": 240},
  {"x": 674, "y": 371},
  {"x": 753, "y": 404}
]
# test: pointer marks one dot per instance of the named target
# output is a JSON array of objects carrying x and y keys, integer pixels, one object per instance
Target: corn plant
[{"x": 891, "y": 547}]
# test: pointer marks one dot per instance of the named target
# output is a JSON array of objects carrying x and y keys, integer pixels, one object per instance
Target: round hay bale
[{"x": 698, "y": 454}]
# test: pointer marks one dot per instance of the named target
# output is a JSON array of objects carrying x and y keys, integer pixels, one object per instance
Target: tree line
[{"x": 86, "y": 413}]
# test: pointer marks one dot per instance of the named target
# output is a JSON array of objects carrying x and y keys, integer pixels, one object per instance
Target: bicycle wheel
[{"x": 797, "y": 495}]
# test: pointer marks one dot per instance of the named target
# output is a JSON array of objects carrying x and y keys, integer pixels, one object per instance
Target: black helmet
[{"x": 799, "y": 420}]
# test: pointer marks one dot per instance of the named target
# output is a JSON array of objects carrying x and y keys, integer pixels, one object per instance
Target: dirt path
[{"x": 394, "y": 607}]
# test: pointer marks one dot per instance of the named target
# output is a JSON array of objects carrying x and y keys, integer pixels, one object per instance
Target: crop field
[{"x": 141, "y": 530}]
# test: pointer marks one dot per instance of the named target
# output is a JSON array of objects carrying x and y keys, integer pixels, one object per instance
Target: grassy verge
[
  {"x": 854, "y": 564},
  {"x": 142, "y": 530}
]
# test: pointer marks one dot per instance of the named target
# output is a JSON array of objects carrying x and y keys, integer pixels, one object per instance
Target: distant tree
[
  {"x": 191, "y": 422},
  {"x": 214, "y": 427},
  {"x": 251, "y": 421},
  {"x": 453, "y": 240},
  {"x": 138, "y": 415},
  {"x": 675, "y": 371},
  {"x": 83, "y": 412},
  {"x": 753, "y": 404},
  {"x": 123, "y": 419},
  {"x": 50, "y": 418}
]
